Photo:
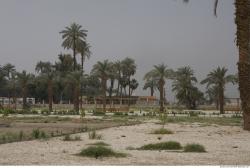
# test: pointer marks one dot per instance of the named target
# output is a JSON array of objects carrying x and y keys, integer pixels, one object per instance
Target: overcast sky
[{"x": 150, "y": 31}]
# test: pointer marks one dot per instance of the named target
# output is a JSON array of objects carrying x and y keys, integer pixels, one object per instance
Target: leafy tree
[{"x": 218, "y": 78}]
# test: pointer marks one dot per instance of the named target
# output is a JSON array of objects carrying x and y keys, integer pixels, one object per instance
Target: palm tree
[
  {"x": 74, "y": 37},
  {"x": 102, "y": 71},
  {"x": 219, "y": 79},
  {"x": 85, "y": 52},
  {"x": 160, "y": 73},
  {"x": 152, "y": 85},
  {"x": 74, "y": 79},
  {"x": 47, "y": 73},
  {"x": 213, "y": 96},
  {"x": 128, "y": 70},
  {"x": 183, "y": 85},
  {"x": 24, "y": 79},
  {"x": 133, "y": 85}
]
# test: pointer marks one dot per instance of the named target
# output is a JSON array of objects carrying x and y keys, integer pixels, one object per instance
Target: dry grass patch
[
  {"x": 162, "y": 131},
  {"x": 194, "y": 148}
]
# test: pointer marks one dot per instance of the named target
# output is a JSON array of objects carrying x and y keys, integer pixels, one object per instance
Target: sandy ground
[{"x": 225, "y": 145}]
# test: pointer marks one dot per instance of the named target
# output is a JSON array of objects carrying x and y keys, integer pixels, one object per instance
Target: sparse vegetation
[
  {"x": 194, "y": 148},
  {"x": 68, "y": 137},
  {"x": 170, "y": 145},
  {"x": 100, "y": 151},
  {"x": 93, "y": 135},
  {"x": 99, "y": 144},
  {"x": 162, "y": 131}
]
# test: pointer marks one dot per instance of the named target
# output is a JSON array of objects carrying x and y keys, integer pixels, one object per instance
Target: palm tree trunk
[
  {"x": 50, "y": 94},
  {"x": 74, "y": 53},
  {"x": 221, "y": 100},
  {"x": 243, "y": 41},
  {"x": 24, "y": 97},
  {"x": 161, "y": 84},
  {"x": 104, "y": 87},
  {"x": 151, "y": 91},
  {"x": 129, "y": 91},
  {"x": 82, "y": 56}
]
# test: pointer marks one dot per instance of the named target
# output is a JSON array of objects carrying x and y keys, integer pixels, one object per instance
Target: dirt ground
[{"x": 225, "y": 145}]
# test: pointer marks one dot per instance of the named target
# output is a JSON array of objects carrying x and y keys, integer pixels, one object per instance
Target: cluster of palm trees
[{"x": 184, "y": 87}]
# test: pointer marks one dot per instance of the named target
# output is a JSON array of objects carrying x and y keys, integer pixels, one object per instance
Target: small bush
[
  {"x": 100, "y": 151},
  {"x": 36, "y": 133},
  {"x": 170, "y": 145},
  {"x": 43, "y": 135},
  {"x": 94, "y": 135},
  {"x": 162, "y": 131},
  {"x": 193, "y": 114},
  {"x": 99, "y": 144},
  {"x": 194, "y": 148}
]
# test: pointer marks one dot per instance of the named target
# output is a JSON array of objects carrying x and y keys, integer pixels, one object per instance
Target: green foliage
[
  {"x": 162, "y": 131},
  {"x": 94, "y": 135},
  {"x": 36, "y": 133},
  {"x": 170, "y": 145},
  {"x": 193, "y": 114},
  {"x": 194, "y": 148},
  {"x": 98, "y": 113},
  {"x": 100, "y": 151}
]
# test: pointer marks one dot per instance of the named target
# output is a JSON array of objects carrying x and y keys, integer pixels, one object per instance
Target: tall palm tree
[
  {"x": 184, "y": 86},
  {"x": 160, "y": 73},
  {"x": 47, "y": 73},
  {"x": 152, "y": 85},
  {"x": 24, "y": 79},
  {"x": 219, "y": 79},
  {"x": 74, "y": 37},
  {"x": 128, "y": 70},
  {"x": 102, "y": 71}
]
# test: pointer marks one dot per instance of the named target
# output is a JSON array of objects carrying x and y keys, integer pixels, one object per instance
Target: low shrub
[
  {"x": 193, "y": 114},
  {"x": 99, "y": 144},
  {"x": 94, "y": 135},
  {"x": 98, "y": 113},
  {"x": 170, "y": 145},
  {"x": 36, "y": 133},
  {"x": 100, "y": 151},
  {"x": 162, "y": 131},
  {"x": 194, "y": 148}
]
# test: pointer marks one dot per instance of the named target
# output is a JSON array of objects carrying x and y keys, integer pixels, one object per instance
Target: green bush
[
  {"x": 194, "y": 148},
  {"x": 162, "y": 131},
  {"x": 170, "y": 145},
  {"x": 100, "y": 151}
]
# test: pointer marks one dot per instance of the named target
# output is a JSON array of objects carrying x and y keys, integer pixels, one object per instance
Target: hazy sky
[{"x": 150, "y": 31}]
